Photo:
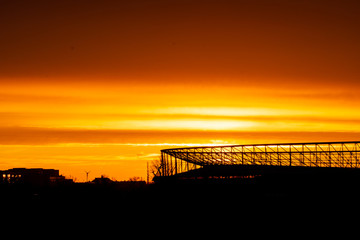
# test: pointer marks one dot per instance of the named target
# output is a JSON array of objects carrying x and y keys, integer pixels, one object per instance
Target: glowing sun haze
[{"x": 102, "y": 86}]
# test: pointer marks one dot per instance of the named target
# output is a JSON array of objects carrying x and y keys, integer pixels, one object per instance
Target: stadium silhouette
[{"x": 316, "y": 164}]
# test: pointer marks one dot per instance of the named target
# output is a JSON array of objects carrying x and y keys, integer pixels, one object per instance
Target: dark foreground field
[
  {"x": 175, "y": 208},
  {"x": 185, "y": 193}
]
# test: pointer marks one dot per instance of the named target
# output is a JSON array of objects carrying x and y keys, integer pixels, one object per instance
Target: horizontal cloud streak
[
  {"x": 62, "y": 123},
  {"x": 53, "y": 136}
]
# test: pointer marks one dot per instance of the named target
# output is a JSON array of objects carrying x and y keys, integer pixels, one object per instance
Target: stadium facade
[{"x": 254, "y": 161}]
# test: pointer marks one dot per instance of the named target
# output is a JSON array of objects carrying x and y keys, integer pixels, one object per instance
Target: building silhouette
[{"x": 31, "y": 176}]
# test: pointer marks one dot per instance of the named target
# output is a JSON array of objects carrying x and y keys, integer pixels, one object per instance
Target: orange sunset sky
[{"x": 103, "y": 86}]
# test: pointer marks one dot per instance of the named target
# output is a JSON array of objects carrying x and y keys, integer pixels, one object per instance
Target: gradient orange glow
[
  {"x": 116, "y": 130},
  {"x": 103, "y": 86}
]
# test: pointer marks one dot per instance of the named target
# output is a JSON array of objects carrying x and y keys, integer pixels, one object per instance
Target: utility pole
[
  {"x": 147, "y": 172},
  {"x": 87, "y": 175}
]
